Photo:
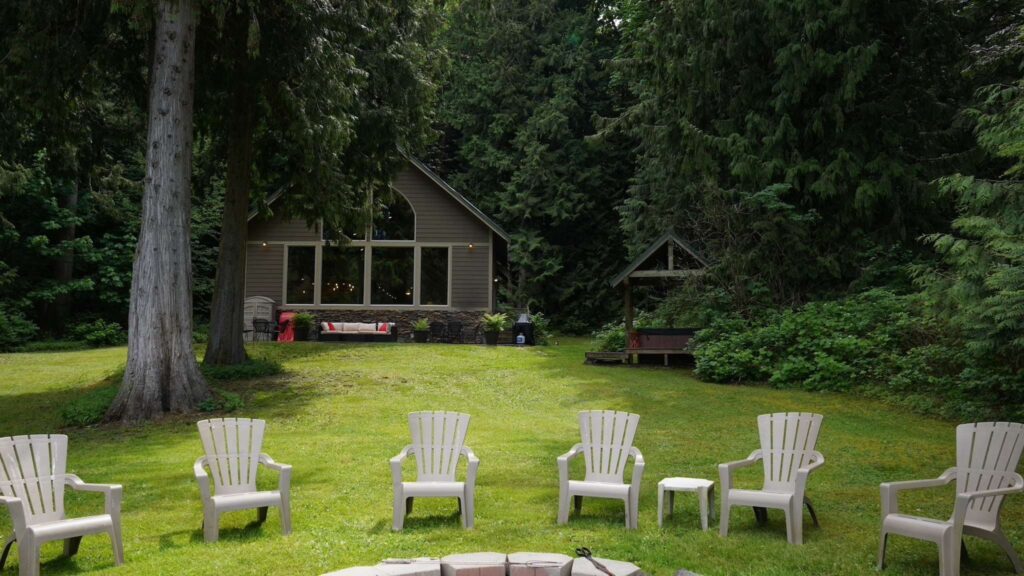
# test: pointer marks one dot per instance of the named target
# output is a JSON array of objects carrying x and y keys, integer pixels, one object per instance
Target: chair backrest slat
[
  {"x": 33, "y": 469},
  {"x": 987, "y": 454},
  {"x": 787, "y": 443},
  {"x": 232, "y": 447},
  {"x": 607, "y": 437},
  {"x": 437, "y": 441}
]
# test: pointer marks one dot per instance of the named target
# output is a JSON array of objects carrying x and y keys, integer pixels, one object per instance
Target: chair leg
[
  {"x": 116, "y": 545},
  {"x": 629, "y": 513},
  {"x": 577, "y": 504},
  {"x": 883, "y": 542},
  {"x": 28, "y": 558},
  {"x": 761, "y": 515},
  {"x": 671, "y": 503},
  {"x": 790, "y": 532},
  {"x": 470, "y": 508},
  {"x": 261, "y": 514},
  {"x": 1003, "y": 542},
  {"x": 964, "y": 556},
  {"x": 398, "y": 514},
  {"x": 462, "y": 512},
  {"x": 7, "y": 549},
  {"x": 563, "y": 504},
  {"x": 408, "y": 505},
  {"x": 797, "y": 519},
  {"x": 211, "y": 526},
  {"x": 723, "y": 517},
  {"x": 810, "y": 508},
  {"x": 286, "y": 515},
  {"x": 71, "y": 546}
]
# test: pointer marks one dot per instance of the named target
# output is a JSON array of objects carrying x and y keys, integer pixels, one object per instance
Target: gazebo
[{"x": 667, "y": 258}]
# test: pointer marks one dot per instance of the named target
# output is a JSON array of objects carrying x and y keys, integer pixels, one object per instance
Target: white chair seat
[
  {"x": 760, "y": 498},
  {"x": 246, "y": 500},
  {"x": 598, "y": 489},
  {"x": 71, "y": 527},
  {"x": 433, "y": 489},
  {"x": 917, "y": 527}
]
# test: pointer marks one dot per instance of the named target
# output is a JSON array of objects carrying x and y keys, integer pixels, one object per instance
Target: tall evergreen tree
[
  {"x": 794, "y": 140},
  {"x": 527, "y": 84}
]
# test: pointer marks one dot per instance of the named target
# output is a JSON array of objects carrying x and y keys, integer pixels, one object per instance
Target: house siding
[
  {"x": 264, "y": 271},
  {"x": 278, "y": 229},
  {"x": 439, "y": 217},
  {"x": 471, "y": 282}
]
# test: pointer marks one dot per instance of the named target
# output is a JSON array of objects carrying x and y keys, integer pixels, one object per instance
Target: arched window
[{"x": 393, "y": 217}]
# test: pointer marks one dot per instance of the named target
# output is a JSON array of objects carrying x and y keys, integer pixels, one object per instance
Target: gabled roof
[
  {"x": 654, "y": 247},
  {"x": 437, "y": 180}
]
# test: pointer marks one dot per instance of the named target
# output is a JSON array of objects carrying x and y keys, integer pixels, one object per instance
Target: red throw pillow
[{"x": 382, "y": 327}]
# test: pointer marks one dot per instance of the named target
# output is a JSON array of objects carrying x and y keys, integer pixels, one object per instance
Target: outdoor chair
[
  {"x": 607, "y": 443},
  {"x": 438, "y": 332},
  {"x": 438, "y": 442},
  {"x": 787, "y": 451},
  {"x": 987, "y": 455},
  {"x": 263, "y": 330},
  {"x": 32, "y": 480},
  {"x": 454, "y": 332},
  {"x": 232, "y": 447}
]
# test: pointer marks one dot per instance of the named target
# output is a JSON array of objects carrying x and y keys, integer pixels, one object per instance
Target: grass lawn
[{"x": 338, "y": 414}]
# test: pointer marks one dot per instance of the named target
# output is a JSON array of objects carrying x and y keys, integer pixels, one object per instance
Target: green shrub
[
  {"x": 51, "y": 346},
  {"x": 495, "y": 322},
  {"x": 612, "y": 336},
  {"x": 254, "y": 368},
  {"x": 17, "y": 330},
  {"x": 89, "y": 408},
  {"x": 303, "y": 320},
  {"x": 201, "y": 334},
  {"x": 421, "y": 325},
  {"x": 541, "y": 328},
  {"x": 98, "y": 333}
]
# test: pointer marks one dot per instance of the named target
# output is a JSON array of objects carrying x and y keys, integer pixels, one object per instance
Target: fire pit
[{"x": 496, "y": 564}]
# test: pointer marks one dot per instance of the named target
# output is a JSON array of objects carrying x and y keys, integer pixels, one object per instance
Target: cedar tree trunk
[
  {"x": 226, "y": 345},
  {"x": 162, "y": 374}
]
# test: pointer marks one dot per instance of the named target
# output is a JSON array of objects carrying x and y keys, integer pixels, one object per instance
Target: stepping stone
[
  {"x": 475, "y": 564},
  {"x": 538, "y": 564},
  {"x": 410, "y": 567},
  {"x": 584, "y": 567}
]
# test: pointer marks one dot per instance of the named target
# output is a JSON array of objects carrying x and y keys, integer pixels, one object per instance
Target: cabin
[{"x": 429, "y": 253}]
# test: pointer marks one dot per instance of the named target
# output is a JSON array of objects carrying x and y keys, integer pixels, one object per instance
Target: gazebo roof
[{"x": 633, "y": 269}]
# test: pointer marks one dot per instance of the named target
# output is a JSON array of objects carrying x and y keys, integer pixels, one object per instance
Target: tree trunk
[
  {"x": 162, "y": 374},
  {"x": 226, "y": 345}
]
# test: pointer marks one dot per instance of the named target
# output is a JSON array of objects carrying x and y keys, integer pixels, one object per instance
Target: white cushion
[{"x": 367, "y": 328}]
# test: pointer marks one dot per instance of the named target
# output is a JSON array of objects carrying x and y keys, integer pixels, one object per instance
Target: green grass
[{"x": 337, "y": 414}]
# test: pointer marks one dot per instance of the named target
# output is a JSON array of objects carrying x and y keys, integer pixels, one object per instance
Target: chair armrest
[
  {"x": 890, "y": 490},
  {"x": 284, "y": 479},
  {"x": 17, "y": 511},
  {"x": 725, "y": 470},
  {"x": 563, "y": 463},
  {"x": 396, "y": 464},
  {"x": 1016, "y": 485},
  {"x": 638, "y": 466},
  {"x": 111, "y": 492},
  {"x": 202, "y": 477},
  {"x": 817, "y": 461},
  {"x": 473, "y": 463}
]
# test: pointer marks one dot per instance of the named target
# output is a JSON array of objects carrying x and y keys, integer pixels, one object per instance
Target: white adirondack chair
[
  {"x": 787, "y": 451},
  {"x": 438, "y": 441},
  {"x": 606, "y": 444},
  {"x": 987, "y": 455},
  {"x": 233, "y": 452},
  {"x": 32, "y": 480}
]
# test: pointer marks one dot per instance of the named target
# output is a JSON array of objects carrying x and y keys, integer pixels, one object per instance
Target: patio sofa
[{"x": 358, "y": 332}]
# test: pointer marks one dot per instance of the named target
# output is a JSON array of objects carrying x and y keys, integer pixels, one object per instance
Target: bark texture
[
  {"x": 226, "y": 345},
  {"x": 162, "y": 374}
]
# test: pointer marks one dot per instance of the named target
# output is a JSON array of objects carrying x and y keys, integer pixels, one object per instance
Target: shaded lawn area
[{"x": 338, "y": 414}]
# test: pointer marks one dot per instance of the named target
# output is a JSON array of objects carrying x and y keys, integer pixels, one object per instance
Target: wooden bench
[{"x": 660, "y": 342}]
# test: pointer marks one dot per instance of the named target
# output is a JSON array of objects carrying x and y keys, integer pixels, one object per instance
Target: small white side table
[{"x": 705, "y": 490}]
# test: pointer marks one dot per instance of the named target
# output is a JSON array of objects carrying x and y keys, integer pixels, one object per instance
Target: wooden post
[{"x": 628, "y": 307}]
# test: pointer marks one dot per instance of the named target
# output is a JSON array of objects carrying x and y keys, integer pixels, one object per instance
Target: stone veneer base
[{"x": 403, "y": 319}]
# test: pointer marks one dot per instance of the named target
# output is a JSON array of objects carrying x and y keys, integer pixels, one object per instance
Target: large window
[
  {"x": 391, "y": 276},
  {"x": 301, "y": 270},
  {"x": 393, "y": 218},
  {"x": 434, "y": 276},
  {"x": 341, "y": 275}
]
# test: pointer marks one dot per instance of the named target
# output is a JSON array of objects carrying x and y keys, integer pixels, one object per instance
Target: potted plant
[
  {"x": 493, "y": 325},
  {"x": 420, "y": 330},
  {"x": 302, "y": 323}
]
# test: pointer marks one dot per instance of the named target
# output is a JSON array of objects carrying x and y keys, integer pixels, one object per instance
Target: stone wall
[{"x": 402, "y": 318}]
